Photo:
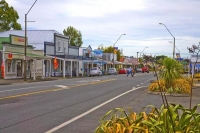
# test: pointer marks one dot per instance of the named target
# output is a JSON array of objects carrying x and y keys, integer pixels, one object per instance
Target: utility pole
[
  {"x": 137, "y": 59},
  {"x": 25, "y": 45}
]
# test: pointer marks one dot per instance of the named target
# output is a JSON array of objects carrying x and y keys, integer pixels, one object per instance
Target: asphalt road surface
[{"x": 68, "y": 105}]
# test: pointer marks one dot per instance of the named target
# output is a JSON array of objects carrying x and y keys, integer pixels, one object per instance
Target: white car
[
  {"x": 95, "y": 71},
  {"x": 112, "y": 71},
  {"x": 139, "y": 70}
]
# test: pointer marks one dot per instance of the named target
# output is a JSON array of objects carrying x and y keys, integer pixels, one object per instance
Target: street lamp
[
  {"x": 143, "y": 51},
  {"x": 175, "y": 47},
  {"x": 113, "y": 50},
  {"x": 172, "y": 36},
  {"x": 25, "y": 65}
]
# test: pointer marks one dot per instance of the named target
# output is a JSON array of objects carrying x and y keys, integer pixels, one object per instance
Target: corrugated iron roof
[{"x": 35, "y": 37}]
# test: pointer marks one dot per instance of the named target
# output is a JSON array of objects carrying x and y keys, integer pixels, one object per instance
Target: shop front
[{"x": 13, "y": 58}]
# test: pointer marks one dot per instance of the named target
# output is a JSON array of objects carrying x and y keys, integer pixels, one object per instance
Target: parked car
[
  {"x": 95, "y": 71},
  {"x": 122, "y": 71},
  {"x": 139, "y": 70},
  {"x": 112, "y": 71},
  {"x": 145, "y": 69}
]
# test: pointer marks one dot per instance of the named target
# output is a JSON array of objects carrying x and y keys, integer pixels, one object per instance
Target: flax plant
[{"x": 156, "y": 121}]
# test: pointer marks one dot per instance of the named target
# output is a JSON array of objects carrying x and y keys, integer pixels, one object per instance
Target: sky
[{"x": 104, "y": 22}]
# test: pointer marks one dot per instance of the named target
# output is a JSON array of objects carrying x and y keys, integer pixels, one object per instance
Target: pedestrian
[
  {"x": 129, "y": 71},
  {"x": 133, "y": 72}
]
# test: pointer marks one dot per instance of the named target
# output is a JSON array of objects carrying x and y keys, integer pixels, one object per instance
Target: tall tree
[
  {"x": 8, "y": 17},
  {"x": 110, "y": 49},
  {"x": 75, "y": 36}
]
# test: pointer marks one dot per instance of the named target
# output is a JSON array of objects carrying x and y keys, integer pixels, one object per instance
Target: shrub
[
  {"x": 197, "y": 75},
  {"x": 181, "y": 85},
  {"x": 154, "y": 86},
  {"x": 174, "y": 118}
]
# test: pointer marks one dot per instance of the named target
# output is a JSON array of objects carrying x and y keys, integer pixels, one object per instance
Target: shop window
[{"x": 11, "y": 65}]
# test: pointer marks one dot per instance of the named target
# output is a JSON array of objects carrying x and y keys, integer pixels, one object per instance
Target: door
[{"x": 19, "y": 68}]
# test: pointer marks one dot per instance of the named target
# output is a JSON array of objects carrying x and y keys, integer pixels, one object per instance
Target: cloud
[{"x": 103, "y": 21}]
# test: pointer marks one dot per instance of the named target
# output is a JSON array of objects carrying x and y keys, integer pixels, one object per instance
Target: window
[
  {"x": 94, "y": 68},
  {"x": 59, "y": 47},
  {"x": 11, "y": 65}
]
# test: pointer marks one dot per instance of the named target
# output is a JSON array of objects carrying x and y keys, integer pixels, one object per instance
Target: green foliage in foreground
[{"x": 171, "y": 119}]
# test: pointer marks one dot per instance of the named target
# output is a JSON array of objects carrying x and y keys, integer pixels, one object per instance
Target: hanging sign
[{"x": 10, "y": 56}]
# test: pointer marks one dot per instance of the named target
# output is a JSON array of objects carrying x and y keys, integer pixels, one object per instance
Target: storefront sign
[
  {"x": 18, "y": 40},
  {"x": 194, "y": 58},
  {"x": 98, "y": 53},
  {"x": 10, "y": 56}
]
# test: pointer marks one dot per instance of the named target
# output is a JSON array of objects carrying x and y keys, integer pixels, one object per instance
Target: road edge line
[{"x": 89, "y": 111}]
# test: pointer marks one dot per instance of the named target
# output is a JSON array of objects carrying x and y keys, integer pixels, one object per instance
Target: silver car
[
  {"x": 112, "y": 71},
  {"x": 95, "y": 71}
]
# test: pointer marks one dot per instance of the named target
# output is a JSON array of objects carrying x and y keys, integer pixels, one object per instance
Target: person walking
[{"x": 130, "y": 72}]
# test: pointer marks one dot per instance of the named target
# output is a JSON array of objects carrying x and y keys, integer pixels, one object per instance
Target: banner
[
  {"x": 55, "y": 62},
  {"x": 2, "y": 69},
  {"x": 115, "y": 50}
]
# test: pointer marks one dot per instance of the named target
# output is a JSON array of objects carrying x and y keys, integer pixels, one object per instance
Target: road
[{"x": 68, "y": 105}]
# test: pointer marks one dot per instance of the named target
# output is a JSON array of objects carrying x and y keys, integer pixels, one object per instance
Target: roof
[{"x": 35, "y": 37}]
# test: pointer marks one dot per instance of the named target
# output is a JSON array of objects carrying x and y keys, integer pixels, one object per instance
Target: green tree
[
  {"x": 8, "y": 17},
  {"x": 172, "y": 70},
  {"x": 110, "y": 49},
  {"x": 160, "y": 57},
  {"x": 75, "y": 36}
]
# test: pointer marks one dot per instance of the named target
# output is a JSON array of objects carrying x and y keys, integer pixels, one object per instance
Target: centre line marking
[
  {"x": 24, "y": 88},
  {"x": 89, "y": 111},
  {"x": 51, "y": 90}
]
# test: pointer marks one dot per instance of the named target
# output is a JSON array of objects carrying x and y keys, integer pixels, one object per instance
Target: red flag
[
  {"x": 2, "y": 69},
  {"x": 55, "y": 62}
]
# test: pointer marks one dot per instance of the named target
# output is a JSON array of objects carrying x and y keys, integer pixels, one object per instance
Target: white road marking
[
  {"x": 138, "y": 85},
  {"x": 25, "y": 88},
  {"x": 61, "y": 86},
  {"x": 88, "y": 81},
  {"x": 141, "y": 83},
  {"x": 89, "y": 111}
]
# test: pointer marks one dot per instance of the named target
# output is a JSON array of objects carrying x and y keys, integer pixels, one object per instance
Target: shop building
[
  {"x": 13, "y": 59},
  {"x": 64, "y": 54}
]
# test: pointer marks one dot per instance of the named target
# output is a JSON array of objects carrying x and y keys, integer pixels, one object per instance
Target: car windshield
[
  {"x": 93, "y": 68},
  {"x": 111, "y": 69}
]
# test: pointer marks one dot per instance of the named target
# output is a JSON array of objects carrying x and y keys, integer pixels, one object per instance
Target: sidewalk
[{"x": 38, "y": 79}]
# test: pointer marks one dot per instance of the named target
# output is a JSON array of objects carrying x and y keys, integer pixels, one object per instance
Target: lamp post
[
  {"x": 137, "y": 60},
  {"x": 25, "y": 65},
  {"x": 101, "y": 57},
  {"x": 113, "y": 50},
  {"x": 172, "y": 36},
  {"x": 175, "y": 47},
  {"x": 143, "y": 51}
]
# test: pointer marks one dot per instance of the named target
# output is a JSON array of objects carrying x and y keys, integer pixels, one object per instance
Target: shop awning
[{"x": 28, "y": 56}]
